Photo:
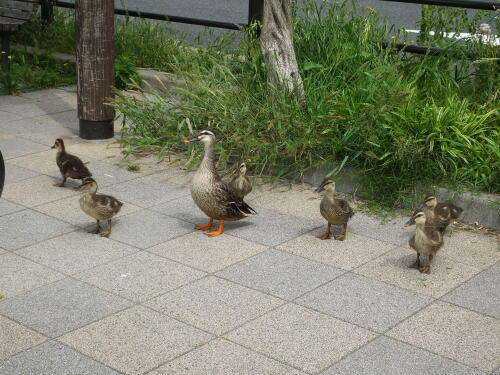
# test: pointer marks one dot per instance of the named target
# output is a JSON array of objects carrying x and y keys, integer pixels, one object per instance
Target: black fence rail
[{"x": 470, "y": 4}]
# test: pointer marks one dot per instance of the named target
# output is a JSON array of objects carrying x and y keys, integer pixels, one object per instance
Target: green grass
[
  {"x": 406, "y": 121},
  {"x": 35, "y": 71}
]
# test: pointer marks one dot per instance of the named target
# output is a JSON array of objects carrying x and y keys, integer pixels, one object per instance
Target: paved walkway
[{"x": 267, "y": 297}]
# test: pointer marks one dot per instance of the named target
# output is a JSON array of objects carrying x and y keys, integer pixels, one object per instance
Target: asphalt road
[{"x": 399, "y": 14}]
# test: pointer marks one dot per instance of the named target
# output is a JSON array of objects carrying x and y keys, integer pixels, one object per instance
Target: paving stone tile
[
  {"x": 15, "y": 174},
  {"x": 32, "y": 109},
  {"x": 95, "y": 150},
  {"x": 44, "y": 95},
  {"x": 214, "y": 305},
  {"x": 61, "y": 307},
  {"x": 270, "y": 228},
  {"x": 41, "y": 162},
  {"x": 52, "y": 358},
  {"x": 7, "y": 207},
  {"x": 385, "y": 356},
  {"x": 351, "y": 253},
  {"x": 24, "y": 228},
  {"x": 107, "y": 174},
  {"x": 224, "y": 357},
  {"x": 280, "y": 274},
  {"x": 209, "y": 254},
  {"x": 135, "y": 340},
  {"x": 146, "y": 228},
  {"x": 140, "y": 276},
  {"x": 473, "y": 249},
  {"x": 390, "y": 230},
  {"x": 297, "y": 200},
  {"x": 15, "y": 338},
  {"x": 146, "y": 191},
  {"x": 456, "y": 333},
  {"x": 36, "y": 191},
  {"x": 182, "y": 208},
  {"x": 18, "y": 275},
  {"x": 2, "y": 251},
  {"x": 301, "y": 337},
  {"x": 6, "y": 117},
  {"x": 12, "y": 99},
  {"x": 496, "y": 372},
  {"x": 69, "y": 210},
  {"x": 365, "y": 302},
  {"x": 481, "y": 293},
  {"x": 397, "y": 268},
  {"x": 47, "y": 132},
  {"x": 14, "y": 147},
  {"x": 76, "y": 252}
]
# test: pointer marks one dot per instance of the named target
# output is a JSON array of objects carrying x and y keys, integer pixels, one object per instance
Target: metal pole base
[{"x": 96, "y": 129}]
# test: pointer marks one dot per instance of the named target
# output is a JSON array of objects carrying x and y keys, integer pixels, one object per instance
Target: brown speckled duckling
[
  {"x": 69, "y": 165},
  {"x": 426, "y": 240},
  {"x": 335, "y": 211},
  {"x": 240, "y": 183},
  {"x": 98, "y": 206}
]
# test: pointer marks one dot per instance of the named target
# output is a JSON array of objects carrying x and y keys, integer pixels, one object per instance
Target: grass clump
[{"x": 33, "y": 71}]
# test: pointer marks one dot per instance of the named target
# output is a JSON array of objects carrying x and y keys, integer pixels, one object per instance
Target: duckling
[
  {"x": 426, "y": 240},
  {"x": 335, "y": 211},
  {"x": 215, "y": 197},
  {"x": 240, "y": 183},
  {"x": 439, "y": 215},
  {"x": 98, "y": 206},
  {"x": 69, "y": 165}
]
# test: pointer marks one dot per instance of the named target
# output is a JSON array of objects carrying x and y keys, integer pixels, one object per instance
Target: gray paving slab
[
  {"x": 214, "y": 305},
  {"x": 44, "y": 95},
  {"x": 496, "y": 372},
  {"x": 24, "y": 228},
  {"x": 385, "y": 356},
  {"x": 210, "y": 254},
  {"x": 47, "y": 133},
  {"x": 397, "y": 268},
  {"x": 365, "y": 302},
  {"x": 15, "y": 338},
  {"x": 146, "y": 191},
  {"x": 481, "y": 293},
  {"x": 451, "y": 331},
  {"x": 7, "y": 207},
  {"x": 61, "y": 307},
  {"x": 223, "y": 357},
  {"x": 76, "y": 252},
  {"x": 107, "y": 174},
  {"x": 351, "y": 253},
  {"x": 270, "y": 228},
  {"x": 136, "y": 340},
  {"x": 280, "y": 274},
  {"x": 15, "y": 174},
  {"x": 13, "y": 147},
  {"x": 18, "y": 275},
  {"x": 182, "y": 208},
  {"x": 387, "y": 230},
  {"x": 12, "y": 99},
  {"x": 38, "y": 108},
  {"x": 473, "y": 249},
  {"x": 36, "y": 191},
  {"x": 146, "y": 228},
  {"x": 52, "y": 358},
  {"x": 140, "y": 276},
  {"x": 6, "y": 117},
  {"x": 303, "y": 338}
]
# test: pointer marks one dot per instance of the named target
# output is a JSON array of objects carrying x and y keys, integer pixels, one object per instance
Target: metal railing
[{"x": 255, "y": 8}]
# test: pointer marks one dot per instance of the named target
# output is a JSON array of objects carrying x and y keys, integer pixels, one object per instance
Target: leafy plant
[{"x": 126, "y": 74}]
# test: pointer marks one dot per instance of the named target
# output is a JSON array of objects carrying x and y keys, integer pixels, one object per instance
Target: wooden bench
[{"x": 13, "y": 15}]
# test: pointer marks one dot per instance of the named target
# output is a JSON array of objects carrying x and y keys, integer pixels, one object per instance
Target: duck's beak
[
  {"x": 319, "y": 189},
  {"x": 189, "y": 140},
  {"x": 410, "y": 222},
  {"x": 53, "y": 146},
  {"x": 422, "y": 205}
]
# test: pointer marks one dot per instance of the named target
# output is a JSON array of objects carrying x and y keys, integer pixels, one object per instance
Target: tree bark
[{"x": 277, "y": 47}]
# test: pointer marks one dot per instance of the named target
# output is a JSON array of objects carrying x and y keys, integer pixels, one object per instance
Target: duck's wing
[
  {"x": 73, "y": 164},
  {"x": 232, "y": 201},
  {"x": 343, "y": 208}
]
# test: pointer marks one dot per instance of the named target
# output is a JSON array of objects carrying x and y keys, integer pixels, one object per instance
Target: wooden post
[{"x": 95, "y": 41}]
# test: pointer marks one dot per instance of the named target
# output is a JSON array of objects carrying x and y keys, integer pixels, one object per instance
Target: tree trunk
[
  {"x": 277, "y": 47},
  {"x": 95, "y": 40}
]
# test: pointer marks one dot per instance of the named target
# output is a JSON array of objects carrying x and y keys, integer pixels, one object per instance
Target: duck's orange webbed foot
[
  {"x": 205, "y": 226},
  {"x": 217, "y": 232}
]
